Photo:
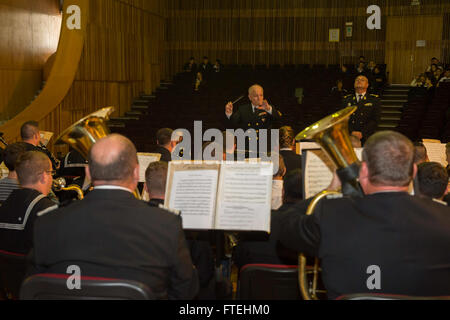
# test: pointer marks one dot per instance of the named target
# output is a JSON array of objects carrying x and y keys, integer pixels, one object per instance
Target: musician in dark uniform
[
  {"x": 384, "y": 242},
  {"x": 259, "y": 114},
  {"x": 364, "y": 121},
  {"x": 30, "y": 134}
]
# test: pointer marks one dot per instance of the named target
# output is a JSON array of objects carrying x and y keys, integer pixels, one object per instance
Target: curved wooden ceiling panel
[{"x": 70, "y": 47}]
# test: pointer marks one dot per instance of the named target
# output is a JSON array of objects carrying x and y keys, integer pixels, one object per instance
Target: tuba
[
  {"x": 84, "y": 133},
  {"x": 331, "y": 133}
]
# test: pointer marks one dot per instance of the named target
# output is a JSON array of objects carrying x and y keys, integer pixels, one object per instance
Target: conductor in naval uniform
[
  {"x": 259, "y": 114},
  {"x": 363, "y": 122}
]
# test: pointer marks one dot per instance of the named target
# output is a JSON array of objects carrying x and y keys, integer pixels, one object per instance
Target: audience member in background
[
  {"x": 206, "y": 67},
  {"x": 277, "y": 185},
  {"x": 371, "y": 66},
  {"x": 266, "y": 248},
  {"x": 378, "y": 80},
  {"x": 364, "y": 120},
  {"x": 217, "y": 66},
  {"x": 420, "y": 153},
  {"x": 19, "y": 212},
  {"x": 190, "y": 66},
  {"x": 437, "y": 76},
  {"x": 405, "y": 237},
  {"x": 165, "y": 144},
  {"x": 446, "y": 76},
  {"x": 361, "y": 69},
  {"x": 291, "y": 159},
  {"x": 201, "y": 252},
  {"x": 112, "y": 234},
  {"x": 434, "y": 61},
  {"x": 418, "y": 81},
  {"x": 339, "y": 91},
  {"x": 10, "y": 156},
  {"x": 362, "y": 59},
  {"x": 431, "y": 181}
]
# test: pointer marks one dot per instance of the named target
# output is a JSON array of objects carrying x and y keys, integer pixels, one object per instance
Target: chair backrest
[
  {"x": 54, "y": 287},
  {"x": 268, "y": 282},
  {"x": 13, "y": 267},
  {"x": 387, "y": 296}
]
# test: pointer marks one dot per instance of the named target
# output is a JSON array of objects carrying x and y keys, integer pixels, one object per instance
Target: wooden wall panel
[
  {"x": 29, "y": 34},
  {"x": 281, "y": 32},
  {"x": 404, "y": 58},
  {"x": 122, "y": 56}
]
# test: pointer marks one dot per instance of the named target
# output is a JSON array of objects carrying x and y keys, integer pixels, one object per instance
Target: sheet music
[
  {"x": 318, "y": 172},
  {"x": 193, "y": 192},
  {"x": 306, "y": 146},
  {"x": 245, "y": 192},
  {"x": 144, "y": 160},
  {"x": 45, "y": 137},
  {"x": 436, "y": 152}
]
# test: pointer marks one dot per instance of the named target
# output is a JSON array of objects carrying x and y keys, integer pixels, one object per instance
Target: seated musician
[
  {"x": 384, "y": 242},
  {"x": 19, "y": 212},
  {"x": 11, "y": 182},
  {"x": 201, "y": 252},
  {"x": 431, "y": 181},
  {"x": 112, "y": 234}
]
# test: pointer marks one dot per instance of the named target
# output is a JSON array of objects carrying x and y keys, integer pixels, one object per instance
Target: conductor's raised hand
[
  {"x": 265, "y": 106},
  {"x": 229, "y": 109}
]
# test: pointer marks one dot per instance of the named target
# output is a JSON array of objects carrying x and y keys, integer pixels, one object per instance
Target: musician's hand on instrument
[
  {"x": 357, "y": 134},
  {"x": 229, "y": 109}
]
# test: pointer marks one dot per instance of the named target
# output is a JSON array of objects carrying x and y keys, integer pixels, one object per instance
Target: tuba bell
[
  {"x": 331, "y": 133},
  {"x": 84, "y": 133}
]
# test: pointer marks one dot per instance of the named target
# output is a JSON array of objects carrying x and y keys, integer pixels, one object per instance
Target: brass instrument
[
  {"x": 331, "y": 133},
  {"x": 59, "y": 184},
  {"x": 84, "y": 133},
  {"x": 53, "y": 159}
]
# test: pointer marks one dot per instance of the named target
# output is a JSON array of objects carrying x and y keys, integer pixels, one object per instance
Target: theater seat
[
  {"x": 54, "y": 287},
  {"x": 386, "y": 296},
  {"x": 12, "y": 271},
  {"x": 268, "y": 282}
]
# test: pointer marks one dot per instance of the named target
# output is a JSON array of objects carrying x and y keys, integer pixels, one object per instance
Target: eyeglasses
[{"x": 52, "y": 172}]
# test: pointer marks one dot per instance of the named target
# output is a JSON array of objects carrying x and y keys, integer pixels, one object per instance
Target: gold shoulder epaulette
[{"x": 375, "y": 95}]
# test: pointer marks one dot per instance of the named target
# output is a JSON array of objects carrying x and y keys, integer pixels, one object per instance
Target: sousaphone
[
  {"x": 84, "y": 133},
  {"x": 332, "y": 134}
]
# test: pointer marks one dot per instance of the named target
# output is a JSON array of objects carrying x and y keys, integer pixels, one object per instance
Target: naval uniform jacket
[
  {"x": 245, "y": 118},
  {"x": 365, "y": 118},
  {"x": 406, "y": 237},
  {"x": 112, "y": 234}
]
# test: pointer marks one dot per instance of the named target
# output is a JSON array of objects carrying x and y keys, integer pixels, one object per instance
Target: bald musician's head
[{"x": 113, "y": 161}]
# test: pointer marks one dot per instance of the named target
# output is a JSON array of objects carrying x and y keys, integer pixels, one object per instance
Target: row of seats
[
  {"x": 256, "y": 282},
  {"x": 426, "y": 114}
]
